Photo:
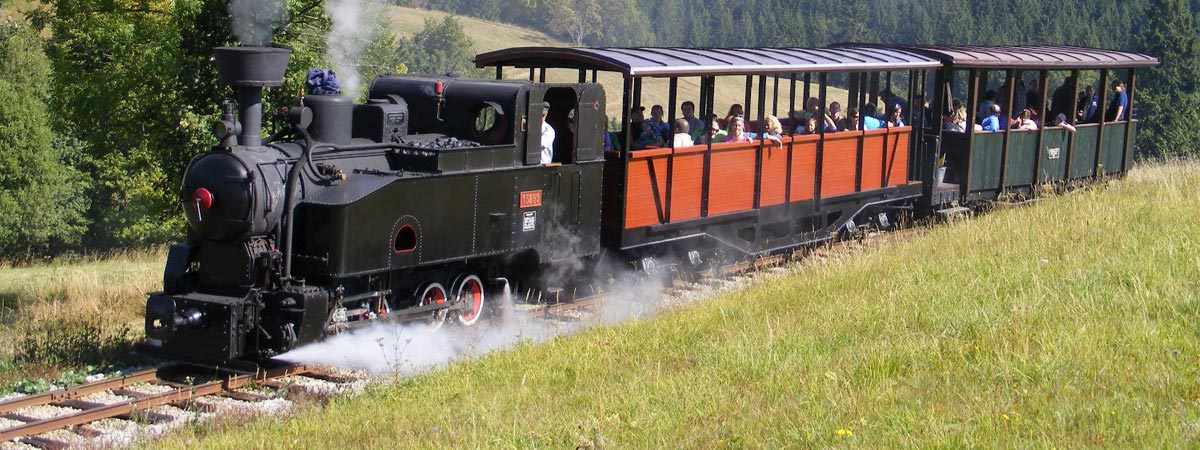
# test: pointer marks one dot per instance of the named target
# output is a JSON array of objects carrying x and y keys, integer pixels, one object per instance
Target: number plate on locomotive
[{"x": 531, "y": 199}]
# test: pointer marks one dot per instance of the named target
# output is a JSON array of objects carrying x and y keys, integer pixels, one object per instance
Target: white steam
[
  {"x": 253, "y": 21},
  {"x": 390, "y": 348},
  {"x": 349, "y": 37}
]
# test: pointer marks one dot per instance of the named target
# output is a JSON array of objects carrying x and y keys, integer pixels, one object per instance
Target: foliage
[
  {"x": 440, "y": 48},
  {"x": 41, "y": 201},
  {"x": 1168, "y": 101}
]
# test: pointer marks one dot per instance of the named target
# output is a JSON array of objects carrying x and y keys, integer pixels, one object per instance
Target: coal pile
[{"x": 440, "y": 143}]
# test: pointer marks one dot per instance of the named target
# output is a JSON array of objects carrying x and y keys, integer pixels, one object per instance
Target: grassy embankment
[
  {"x": 1072, "y": 323},
  {"x": 74, "y": 312},
  {"x": 488, "y": 36}
]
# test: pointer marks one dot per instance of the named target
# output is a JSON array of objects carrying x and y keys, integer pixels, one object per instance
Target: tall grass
[
  {"x": 73, "y": 312},
  {"x": 1074, "y": 323}
]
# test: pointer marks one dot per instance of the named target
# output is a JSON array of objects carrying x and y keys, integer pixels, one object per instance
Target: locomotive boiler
[{"x": 418, "y": 203}]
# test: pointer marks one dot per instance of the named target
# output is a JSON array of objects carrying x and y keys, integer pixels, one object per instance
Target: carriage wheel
[
  {"x": 434, "y": 293},
  {"x": 470, "y": 291}
]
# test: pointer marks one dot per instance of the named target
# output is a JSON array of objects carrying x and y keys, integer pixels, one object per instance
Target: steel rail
[
  {"x": 77, "y": 392},
  {"x": 133, "y": 406}
]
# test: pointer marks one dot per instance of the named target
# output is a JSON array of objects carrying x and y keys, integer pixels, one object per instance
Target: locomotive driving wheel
[
  {"x": 469, "y": 290},
  {"x": 430, "y": 294}
]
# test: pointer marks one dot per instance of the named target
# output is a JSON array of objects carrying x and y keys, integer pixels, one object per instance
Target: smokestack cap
[{"x": 251, "y": 66}]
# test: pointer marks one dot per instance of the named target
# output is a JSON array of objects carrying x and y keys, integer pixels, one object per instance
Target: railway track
[{"x": 139, "y": 393}]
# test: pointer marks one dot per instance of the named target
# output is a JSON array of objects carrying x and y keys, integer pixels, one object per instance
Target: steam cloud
[
  {"x": 349, "y": 36},
  {"x": 254, "y": 21},
  {"x": 390, "y": 348}
]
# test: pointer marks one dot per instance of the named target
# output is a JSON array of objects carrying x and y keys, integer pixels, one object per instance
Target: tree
[
  {"x": 578, "y": 19},
  {"x": 1167, "y": 100},
  {"x": 441, "y": 47},
  {"x": 41, "y": 206}
]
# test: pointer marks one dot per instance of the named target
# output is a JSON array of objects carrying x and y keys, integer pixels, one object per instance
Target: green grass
[
  {"x": 1069, "y": 324},
  {"x": 489, "y": 36},
  {"x": 73, "y": 312}
]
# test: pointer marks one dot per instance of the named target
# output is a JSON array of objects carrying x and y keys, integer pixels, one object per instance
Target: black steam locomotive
[{"x": 406, "y": 206}]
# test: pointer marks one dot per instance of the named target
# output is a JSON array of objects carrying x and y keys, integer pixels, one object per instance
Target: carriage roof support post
[
  {"x": 941, "y": 92},
  {"x": 807, "y": 94},
  {"x": 1101, "y": 111},
  {"x": 762, "y": 137},
  {"x": 746, "y": 103},
  {"x": 1012, "y": 76},
  {"x": 542, "y": 75},
  {"x": 915, "y": 133},
  {"x": 582, "y": 76},
  {"x": 964, "y": 186},
  {"x": 708, "y": 85},
  {"x": 532, "y": 73},
  {"x": 1074, "y": 120},
  {"x": 792, "y": 102},
  {"x": 499, "y": 72},
  {"x": 1043, "y": 86},
  {"x": 862, "y": 139},
  {"x": 873, "y": 92},
  {"x": 823, "y": 94},
  {"x": 626, "y": 107},
  {"x": 775, "y": 98},
  {"x": 674, "y": 87},
  {"x": 1125, "y": 155},
  {"x": 852, "y": 95}
]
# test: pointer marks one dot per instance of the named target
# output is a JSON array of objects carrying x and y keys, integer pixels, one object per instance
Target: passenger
[
  {"x": 715, "y": 134},
  {"x": 896, "y": 119},
  {"x": 636, "y": 117},
  {"x": 1089, "y": 105},
  {"x": 1020, "y": 95},
  {"x": 810, "y": 126},
  {"x": 1025, "y": 120},
  {"x": 888, "y": 98},
  {"x": 853, "y": 122},
  {"x": 736, "y": 130},
  {"x": 735, "y": 109},
  {"x": 656, "y": 120},
  {"x": 992, "y": 121},
  {"x": 870, "y": 122},
  {"x": 694, "y": 123},
  {"x": 547, "y": 156},
  {"x": 1060, "y": 101},
  {"x": 958, "y": 121},
  {"x": 985, "y": 107},
  {"x": 835, "y": 121},
  {"x": 1119, "y": 108},
  {"x": 921, "y": 117},
  {"x": 648, "y": 137},
  {"x": 682, "y": 138},
  {"x": 773, "y": 130},
  {"x": 1061, "y": 121}
]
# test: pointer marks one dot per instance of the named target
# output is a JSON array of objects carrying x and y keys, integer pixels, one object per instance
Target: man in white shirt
[{"x": 547, "y": 137}]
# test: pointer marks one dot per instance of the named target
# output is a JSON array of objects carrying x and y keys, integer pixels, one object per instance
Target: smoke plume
[
  {"x": 253, "y": 21},
  {"x": 349, "y": 36}
]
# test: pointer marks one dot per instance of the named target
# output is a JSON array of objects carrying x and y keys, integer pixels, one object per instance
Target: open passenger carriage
[{"x": 747, "y": 197}]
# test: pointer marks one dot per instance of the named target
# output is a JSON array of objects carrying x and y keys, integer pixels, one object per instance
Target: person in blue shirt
[
  {"x": 870, "y": 122},
  {"x": 1119, "y": 108},
  {"x": 1089, "y": 103},
  {"x": 992, "y": 121},
  {"x": 656, "y": 121}
]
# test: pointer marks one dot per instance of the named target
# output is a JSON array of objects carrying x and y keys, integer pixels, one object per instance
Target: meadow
[{"x": 1072, "y": 323}]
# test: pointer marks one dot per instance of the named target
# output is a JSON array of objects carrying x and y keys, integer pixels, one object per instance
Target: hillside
[
  {"x": 489, "y": 36},
  {"x": 1068, "y": 324}
]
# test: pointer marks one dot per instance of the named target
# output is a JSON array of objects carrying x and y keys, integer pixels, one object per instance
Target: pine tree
[{"x": 1166, "y": 100}]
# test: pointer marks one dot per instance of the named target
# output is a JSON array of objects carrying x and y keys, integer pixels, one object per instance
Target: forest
[{"x": 104, "y": 102}]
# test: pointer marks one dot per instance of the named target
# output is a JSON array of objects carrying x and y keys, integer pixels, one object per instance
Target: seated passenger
[
  {"x": 735, "y": 109},
  {"x": 888, "y": 98},
  {"x": 897, "y": 117},
  {"x": 852, "y": 122},
  {"x": 682, "y": 138},
  {"x": 810, "y": 126},
  {"x": 992, "y": 121},
  {"x": 870, "y": 122},
  {"x": 656, "y": 120},
  {"x": 834, "y": 121},
  {"x": 736, "y": 130},
  {"x": 648, "y": 137},
  {"x": 695, "y": 125},
  {"x": 714, "y": 132},
  {"x": 773, "y": 130},
  {"x": 1025, "y": 120},
  {"x": 958, "y": 121},
  {"x": 636, "y": 117},
  {"x": 1061, "y": 121}
]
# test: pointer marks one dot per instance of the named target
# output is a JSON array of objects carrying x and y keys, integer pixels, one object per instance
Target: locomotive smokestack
[{"x": 249, "y": 69}]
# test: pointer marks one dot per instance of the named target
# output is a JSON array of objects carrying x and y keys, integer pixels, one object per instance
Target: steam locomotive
[{"x": 418, "y": 203}]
